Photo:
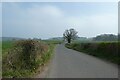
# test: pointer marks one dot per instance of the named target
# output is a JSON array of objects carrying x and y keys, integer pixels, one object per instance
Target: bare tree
[{"x": 70, "y": 34}]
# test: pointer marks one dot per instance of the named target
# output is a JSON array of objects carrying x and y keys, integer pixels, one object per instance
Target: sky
[
  {"x": 59, "y": 0},
  {"x": 50, "y": 19},
  {"x": 0, "y": 19}
]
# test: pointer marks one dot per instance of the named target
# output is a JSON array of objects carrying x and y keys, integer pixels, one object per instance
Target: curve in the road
[{"x": 68, "y": 63}]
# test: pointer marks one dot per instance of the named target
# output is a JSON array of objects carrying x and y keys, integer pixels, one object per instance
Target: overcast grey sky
[{"x": 51, "y": 19}]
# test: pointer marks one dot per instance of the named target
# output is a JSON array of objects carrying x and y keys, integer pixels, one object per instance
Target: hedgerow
[
  {"x": 25, "y": 57},
  {"x": 105, "y": 50}
]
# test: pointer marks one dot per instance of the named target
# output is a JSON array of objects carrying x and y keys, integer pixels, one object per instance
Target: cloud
[
  {"x": 45, "y": 21},
  {"x": 0, "y": 19},
  {"x": 36, "y": 21},
  {"x": 95, "y": 24},
  {"x": 60, "y": 0}
]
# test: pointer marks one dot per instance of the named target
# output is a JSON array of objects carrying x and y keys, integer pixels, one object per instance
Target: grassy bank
[
  {"x": 0, "y": 59},
  {"x": 104, "y": 50},
  {"x": 23, "y": 58}
]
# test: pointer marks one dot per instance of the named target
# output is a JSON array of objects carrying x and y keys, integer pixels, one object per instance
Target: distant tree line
[
  {"x": 119, "y": 37},
  {"x": 106, "y": 37}
]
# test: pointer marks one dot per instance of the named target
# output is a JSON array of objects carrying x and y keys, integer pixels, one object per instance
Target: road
[{"x": 69, "y": 63}]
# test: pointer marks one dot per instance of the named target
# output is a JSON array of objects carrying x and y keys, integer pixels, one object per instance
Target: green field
[
  {"x": 0, "y": 59},
  {"x": 6, "y": 45},
  {"x": 53, "y": 41},
  {"x": 0, "y": 50}
]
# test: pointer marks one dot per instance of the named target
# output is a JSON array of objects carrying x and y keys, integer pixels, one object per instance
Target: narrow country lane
[{"x": 68, "y": 63}]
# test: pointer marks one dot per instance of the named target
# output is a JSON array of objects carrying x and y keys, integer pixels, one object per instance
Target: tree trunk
[{"x": 69, "y": 40}]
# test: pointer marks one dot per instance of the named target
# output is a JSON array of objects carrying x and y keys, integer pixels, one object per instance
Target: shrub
[
  {"x": 25, "y": 55},
  {"x": 31, "y": 50}
]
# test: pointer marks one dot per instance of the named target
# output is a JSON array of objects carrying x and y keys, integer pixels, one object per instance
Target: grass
[
  {"x": 6, "y": 45},
  {"x": 18, "y": 69},
  {"x": 0, "y": 47},
  {"x": 0, "y": 59},
  {"x": 53, "y": 41},
  {"x": 103, "y": 50}
]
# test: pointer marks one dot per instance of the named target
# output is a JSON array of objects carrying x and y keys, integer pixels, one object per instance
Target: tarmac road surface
[{"x": 68, "y": 63}]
